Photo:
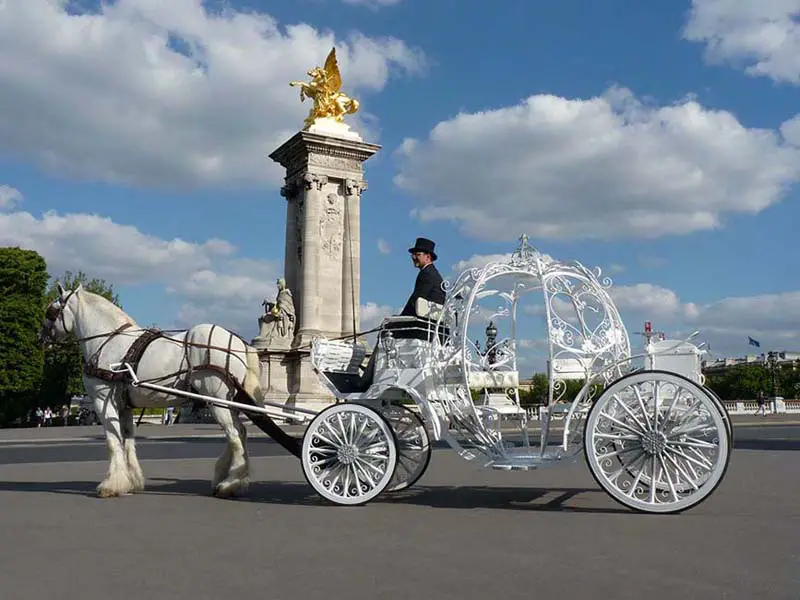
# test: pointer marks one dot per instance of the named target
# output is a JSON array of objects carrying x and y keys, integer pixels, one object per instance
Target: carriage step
[{"x": 526, "y": 459}]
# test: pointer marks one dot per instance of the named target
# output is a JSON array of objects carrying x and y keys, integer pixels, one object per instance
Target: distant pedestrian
[{"x": 761, "y": 400}]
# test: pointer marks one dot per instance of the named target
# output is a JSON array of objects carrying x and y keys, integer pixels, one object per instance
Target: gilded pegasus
[{"x": 324, "y": 88}]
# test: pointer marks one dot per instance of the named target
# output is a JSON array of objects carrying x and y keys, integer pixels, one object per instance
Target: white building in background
[{"x": 720, "y": 364}]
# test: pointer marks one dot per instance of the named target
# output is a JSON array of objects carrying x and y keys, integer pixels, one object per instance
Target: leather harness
[{"x": 132, "y": 356}]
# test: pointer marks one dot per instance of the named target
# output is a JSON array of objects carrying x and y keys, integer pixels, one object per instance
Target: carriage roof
[{"x": 585, "y": 333}]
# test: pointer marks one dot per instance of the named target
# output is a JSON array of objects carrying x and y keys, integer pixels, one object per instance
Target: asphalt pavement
[{"x": 462, "y": 532}]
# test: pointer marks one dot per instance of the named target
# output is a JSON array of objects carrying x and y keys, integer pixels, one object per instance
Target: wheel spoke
[
  {"x": 625, "y": 407},
  {"x": 639, "y": 398},
  {"x": 694, "y": 443},
  {"x": 625, "y": 426},
  {"x": 675, "y": 497}
]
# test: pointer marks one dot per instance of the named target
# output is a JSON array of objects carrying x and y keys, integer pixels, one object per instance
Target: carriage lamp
[{"x": 491, "y": 337}]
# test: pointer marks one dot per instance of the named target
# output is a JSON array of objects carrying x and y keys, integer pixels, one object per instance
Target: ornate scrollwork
[{"x": 583, "y": 328}]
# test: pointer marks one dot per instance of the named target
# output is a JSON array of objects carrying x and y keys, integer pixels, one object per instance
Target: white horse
[{"x": 209, "y": 359}]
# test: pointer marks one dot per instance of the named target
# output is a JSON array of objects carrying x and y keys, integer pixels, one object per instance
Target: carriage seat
[
  {"x": 339, "y": 361},
  {"x": 483, "y": 379},
  {"x": 419, "y": 327},
  {"x": 500, "y": 403}
]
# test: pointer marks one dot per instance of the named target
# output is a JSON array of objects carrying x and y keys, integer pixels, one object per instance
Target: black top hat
[{"x": 424, "y": 245}]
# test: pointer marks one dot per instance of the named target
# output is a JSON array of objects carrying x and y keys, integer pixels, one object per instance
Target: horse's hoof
[
  {"x": 106, "y": 493},
  {"x": 230, "y": 489}
]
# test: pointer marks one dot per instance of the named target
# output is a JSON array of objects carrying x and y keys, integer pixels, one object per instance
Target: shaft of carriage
[{"x": 260, "y": 416}]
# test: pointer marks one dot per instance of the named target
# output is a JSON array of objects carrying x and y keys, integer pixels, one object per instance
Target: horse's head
[{"x": 59, "y": 318}]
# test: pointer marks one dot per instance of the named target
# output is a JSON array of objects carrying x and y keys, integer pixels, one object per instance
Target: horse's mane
[{"x": 98, "y": 301}]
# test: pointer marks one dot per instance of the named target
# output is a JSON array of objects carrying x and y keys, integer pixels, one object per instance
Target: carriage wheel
[
  {"x": 413, "y": 446},
  {"x": 724, "y": 411},
  {"x": 657, "y": 442},
  {"x": 349, "y": 454}
]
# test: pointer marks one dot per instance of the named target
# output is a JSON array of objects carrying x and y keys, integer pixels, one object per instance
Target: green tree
[
  {"x": 23, "y": 277},
  {"x": 63, "y": 363}
]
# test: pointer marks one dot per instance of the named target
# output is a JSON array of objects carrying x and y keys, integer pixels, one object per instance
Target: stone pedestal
[{"x": 323, "y": 186}]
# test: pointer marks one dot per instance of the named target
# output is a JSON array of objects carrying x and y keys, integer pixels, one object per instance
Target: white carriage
[{"x": 653, "y": 437}]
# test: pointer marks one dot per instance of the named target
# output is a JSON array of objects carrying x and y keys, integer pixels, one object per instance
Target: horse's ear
[
  {"x": 80, "y": 287},
  {"x": 61, "y": 290}
]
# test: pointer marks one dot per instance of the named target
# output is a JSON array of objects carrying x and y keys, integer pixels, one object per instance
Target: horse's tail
[
  {"x": 251, "y": 386},
  {"x": 252, "y": 379}
]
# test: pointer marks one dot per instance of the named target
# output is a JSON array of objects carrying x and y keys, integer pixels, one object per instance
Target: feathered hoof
[
  {"x": 231, "y": 488},
  {"x": 109, "y": 492}
]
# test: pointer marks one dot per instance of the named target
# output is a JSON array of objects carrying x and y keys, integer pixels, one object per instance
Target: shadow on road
[
  {"x": 295, "y": 493},
  {"x": 767, "y": 444}
]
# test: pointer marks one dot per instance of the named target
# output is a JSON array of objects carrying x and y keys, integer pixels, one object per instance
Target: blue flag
[{"x": 753, "y": 342}]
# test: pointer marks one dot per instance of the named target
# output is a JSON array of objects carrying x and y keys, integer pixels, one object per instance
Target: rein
[{"x": 125, "y": 326}]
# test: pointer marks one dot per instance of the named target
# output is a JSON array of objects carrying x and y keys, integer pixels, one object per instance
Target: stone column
[
  {"x": 323, "y": 245},
  {"x": 309, "y": 323},
  {"x": 294, "y": 205},
  {"x": 351, "y": 263}
]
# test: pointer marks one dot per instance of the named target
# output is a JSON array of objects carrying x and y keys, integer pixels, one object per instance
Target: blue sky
[{"x": 655, "y": 140}]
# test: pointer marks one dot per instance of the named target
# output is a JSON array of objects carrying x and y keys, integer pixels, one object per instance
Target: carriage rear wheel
[
  {"x": 413, "y": 446},
  {"x": 657, "y": 442},
  {"x": 349, "y": 454}
]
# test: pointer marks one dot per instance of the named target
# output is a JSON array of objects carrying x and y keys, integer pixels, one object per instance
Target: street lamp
[
  {"x": 772, "y": 361},
  {"x": 491, "y": 337}
]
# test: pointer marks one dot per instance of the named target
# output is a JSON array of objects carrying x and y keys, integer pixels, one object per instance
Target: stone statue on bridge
[{"x": 276, "y": 325}]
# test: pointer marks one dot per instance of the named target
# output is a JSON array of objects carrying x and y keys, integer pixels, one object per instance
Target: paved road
[{"x": 463, "y": 533}]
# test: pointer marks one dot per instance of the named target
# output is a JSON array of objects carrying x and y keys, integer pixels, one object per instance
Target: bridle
[{"x": 55, "y": 312}]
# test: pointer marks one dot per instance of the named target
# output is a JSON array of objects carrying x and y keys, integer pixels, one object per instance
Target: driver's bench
[{"x": 402, "y": 344}]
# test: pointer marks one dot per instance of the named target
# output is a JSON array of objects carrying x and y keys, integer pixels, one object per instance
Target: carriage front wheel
[
  {"x": 349, "y": 453},
  {"x": 657, "y": 442}
]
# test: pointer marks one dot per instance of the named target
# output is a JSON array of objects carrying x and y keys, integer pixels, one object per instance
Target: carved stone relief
[
  {"x": 331, "y": 226},
  {"x": 334, "y": 162}
]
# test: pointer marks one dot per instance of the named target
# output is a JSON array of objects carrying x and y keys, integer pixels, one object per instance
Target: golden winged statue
[{"x": 324, "y": 88}]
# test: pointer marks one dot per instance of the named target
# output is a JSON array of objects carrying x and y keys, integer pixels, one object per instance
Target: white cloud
[
  {"x": 790, "y": 130},
  {"x": 773, "y": 319},
  {"x": 607, "y": 167},
  {"x": 646, "y": 299},
  {"x": 148, "y": 92},
  {"x": 384, "y": 247},
  {"x": 120, "y": 253},
  {"x": 372, "y": 314},
  {"x": 210, "y": 280},
  {"x": 761, "y": 36},
  {"x": 478, "y": 261},
  {"x": 9, "y": 197}
]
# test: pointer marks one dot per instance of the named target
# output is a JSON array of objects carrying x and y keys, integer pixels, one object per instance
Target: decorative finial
[
  {"x": 524, "y": 252},
  {"x": 329, "y": 102}
]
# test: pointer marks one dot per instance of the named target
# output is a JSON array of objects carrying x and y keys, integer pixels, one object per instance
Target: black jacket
[{"x": 428, "y": 286}]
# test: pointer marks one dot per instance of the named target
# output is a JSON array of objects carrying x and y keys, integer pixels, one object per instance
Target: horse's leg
[
  {"x": 117, "y": 481},
  {"x": 232, "y": 470},
  {"x": 129, "y": 436}
]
